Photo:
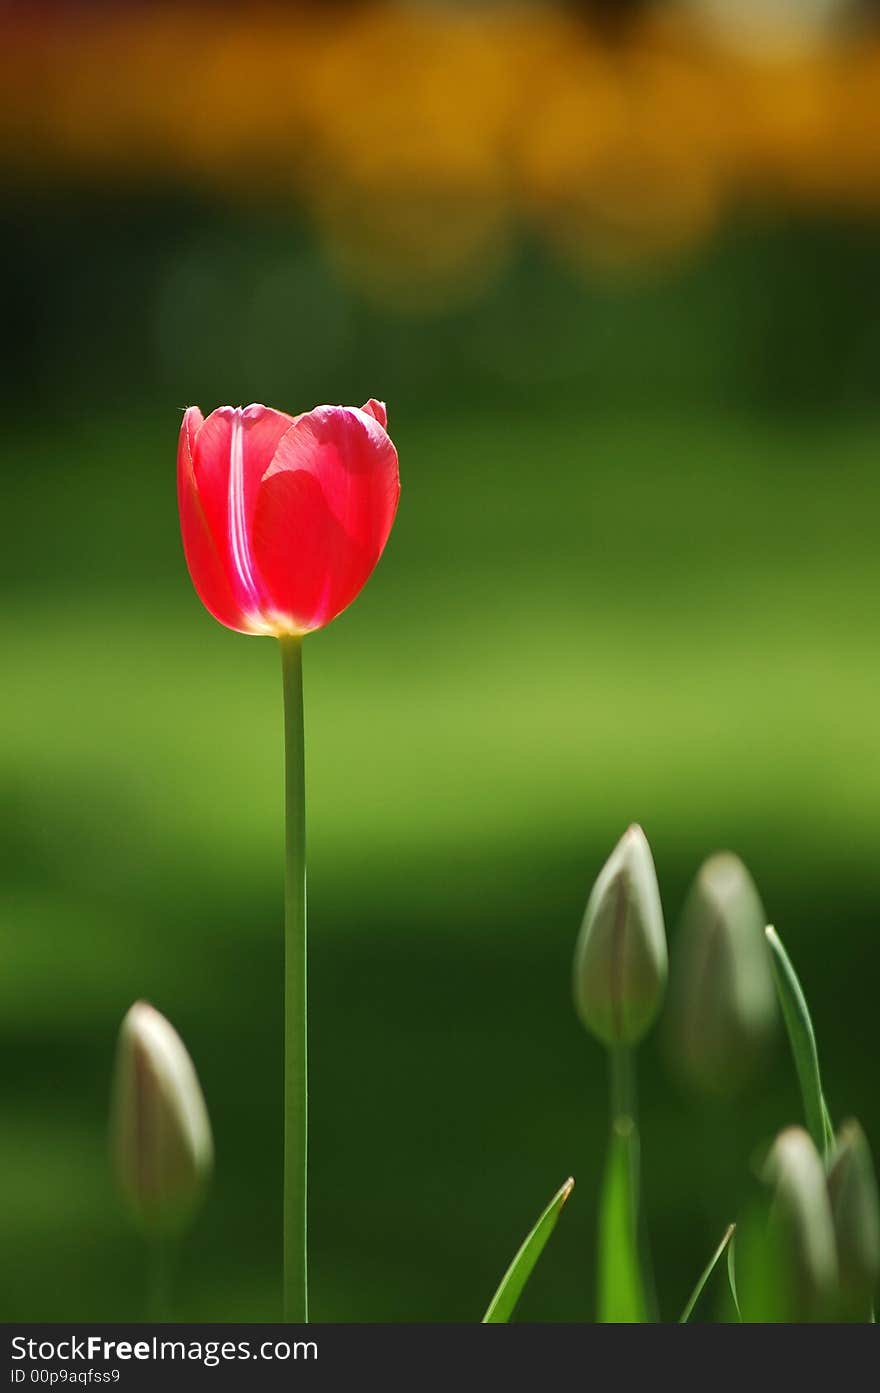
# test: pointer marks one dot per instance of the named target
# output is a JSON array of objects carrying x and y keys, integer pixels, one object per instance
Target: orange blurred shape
[
  {"x": 408, "y": 128},
  {"x": 419, "y": 138},
  {"x": 622, "y": 159}
]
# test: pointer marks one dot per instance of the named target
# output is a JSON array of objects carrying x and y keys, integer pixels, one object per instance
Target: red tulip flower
[
  {"x": 284, "y": 517},
  {"x": 283, "y": 520}
]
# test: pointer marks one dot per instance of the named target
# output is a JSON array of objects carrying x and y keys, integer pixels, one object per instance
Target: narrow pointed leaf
[
  {"x": 706, "y": 1274},
  {"x": 621, "y": 1288},
  {"x": 510, "y": 1289},
  {"x": 803, "y": 1044},
  {"x": 828, "y": 1125},
  {"x": 731, "y": 1275}
]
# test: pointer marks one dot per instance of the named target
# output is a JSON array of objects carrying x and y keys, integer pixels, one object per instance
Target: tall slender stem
[
  {"x": 295, "y": 1010},
  {"x": 623, "y": 1083},
  {"x": 625, "y": 1108}
]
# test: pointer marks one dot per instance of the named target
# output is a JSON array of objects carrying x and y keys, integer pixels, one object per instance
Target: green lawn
[{"x": 578, "y": 623}]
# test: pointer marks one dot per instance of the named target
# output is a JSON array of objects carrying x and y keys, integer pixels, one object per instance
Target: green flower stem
[
  {"x": 295, "y": 1010},
  {"x": 620, "y": 1289},
  {"x": 623, "y": 1083},
  {"x": 624, "y": 1109},
  {"x": 624, "y": 1115}
]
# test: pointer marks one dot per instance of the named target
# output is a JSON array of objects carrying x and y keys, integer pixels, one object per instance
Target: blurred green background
[{"x": 634, "y": 577}]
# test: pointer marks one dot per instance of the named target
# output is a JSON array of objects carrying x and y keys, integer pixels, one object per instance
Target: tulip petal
[
  {"x": 323, "y": 513},
  {"x": 378, "y": 410},
  {"x": 293, "y": 538},
  {"x": 204, "y": 555},
  {"x": 231, "y": 452}
]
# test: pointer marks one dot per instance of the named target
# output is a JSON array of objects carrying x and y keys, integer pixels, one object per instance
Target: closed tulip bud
[
  {"x": 722, "y": 1001},
  {"x": 160, "y": 1133},
  {"x": 620, "y": 957},
  {"x": 284, "y": 517},
  {"x": 852, "y": 1189},
  {"x": 801, "y": 1232}
]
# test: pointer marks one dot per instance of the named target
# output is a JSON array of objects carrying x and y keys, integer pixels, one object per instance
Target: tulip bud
[
  {"x": 620, "y": 957},
  {"x": 801, "y": 1232},
  {"x": 160, "y": 1132},
  {"x": 722, "y": 1001},
  {"x": 852, "y": 1189}
]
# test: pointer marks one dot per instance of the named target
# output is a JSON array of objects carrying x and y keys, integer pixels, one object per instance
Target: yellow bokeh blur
[{"x": 418, "y": 139}]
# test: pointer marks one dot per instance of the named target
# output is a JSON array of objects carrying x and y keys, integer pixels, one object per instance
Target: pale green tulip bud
[
  {"x": 852, "y": 1189},
  {"x": 801, "y": 1230},
  {"x": 161, "y": 1139},
  {"x": 722, "y": 1000},
  {"x": 620, "y": 956}
]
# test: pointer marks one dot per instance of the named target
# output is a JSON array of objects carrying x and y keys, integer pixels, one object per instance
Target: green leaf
[
  {"x": 510, "y": 1289},
  {"x": 802, "y": 1037},
  {"x": 706, "y": 1274},
  {"x": 828, "y": 1125},
  {"x": 621, "y": 1290},
  {"x": 731, "y": 1276},
  {"x": 766, "y": 1290}
]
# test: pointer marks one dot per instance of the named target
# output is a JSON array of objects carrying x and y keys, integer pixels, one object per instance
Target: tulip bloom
[
  {"x": 283, "y": 520},
  {"x": 284, "y": 517},
  {"x": 799, "y": 1253},
  {"x": 619, "y": 979},
  {"x": 161, "y": 1136},
  {"x": 620, "y": 957},
  {"x": 855, "y": 1209},
  {"x": 722, "y": 1006}
]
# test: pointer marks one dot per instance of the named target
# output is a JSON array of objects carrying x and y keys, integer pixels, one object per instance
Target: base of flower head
[{"x": 276, "y": 626}]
